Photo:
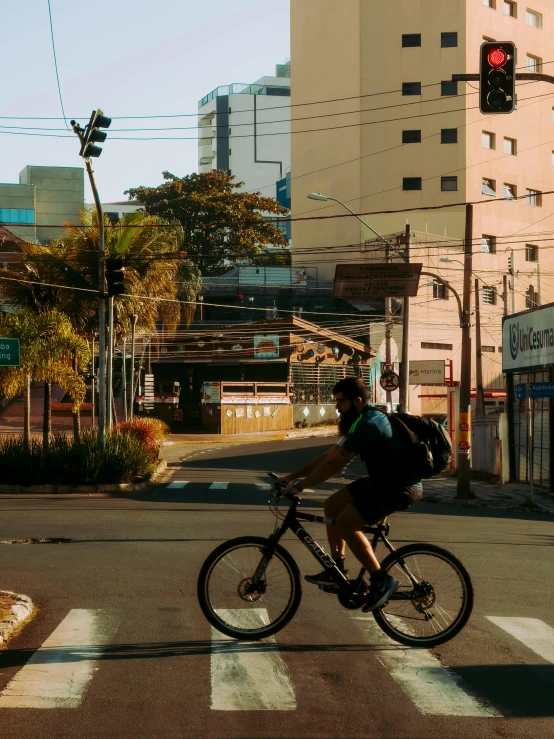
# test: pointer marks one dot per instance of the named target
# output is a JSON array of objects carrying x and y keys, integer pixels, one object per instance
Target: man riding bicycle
[{"x": 389, "y": 486}]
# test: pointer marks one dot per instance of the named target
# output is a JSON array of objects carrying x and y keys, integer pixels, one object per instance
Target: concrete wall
[{"x": 21, "y": 197}]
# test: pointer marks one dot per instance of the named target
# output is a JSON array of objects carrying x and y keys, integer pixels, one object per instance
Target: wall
[
  {"x": 21, "y": 197},
  {"x": 60, "y": 196}
]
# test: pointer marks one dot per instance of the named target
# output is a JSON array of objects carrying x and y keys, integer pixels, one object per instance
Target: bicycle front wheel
[
  {"x": 434, "y": 600},
  {"x": 233, "y": 605}
]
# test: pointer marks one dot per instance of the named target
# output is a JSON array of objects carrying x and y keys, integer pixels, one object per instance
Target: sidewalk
[
  {"x": 510, "y": 497},
  {"x": 258, "y": 436}
]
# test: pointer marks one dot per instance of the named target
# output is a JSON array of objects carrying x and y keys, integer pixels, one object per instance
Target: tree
[
  {"x": 48, "y": 345},
  {"x": 219, "y": 222}
]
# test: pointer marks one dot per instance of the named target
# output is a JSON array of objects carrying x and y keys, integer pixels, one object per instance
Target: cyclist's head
[{"x": 352, "y": 389}]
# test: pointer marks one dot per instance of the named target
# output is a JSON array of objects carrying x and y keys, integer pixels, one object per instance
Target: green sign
[{"x": 9, "y": 352}]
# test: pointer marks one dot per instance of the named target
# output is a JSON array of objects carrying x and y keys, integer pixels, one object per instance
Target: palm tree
[
  {"x": 64, "y": 275},
  {"x": 48, "y": 346}
]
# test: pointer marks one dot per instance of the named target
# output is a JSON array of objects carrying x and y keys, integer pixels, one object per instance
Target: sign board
[
  {"x": 376, "y": 280},
  {"x": 9, "y": 353},
  {"x": 389, "y": 381},
  {"x": 149, "y": 391},
  {"x": 211, "y": 392},
  {"x": 266, "y": 346},
  {"x": 542, "y": 389},
  {"x": 427, "y": 372},
  {"x": 521, "y": 391},
  {"x": 528, "y": 340}
]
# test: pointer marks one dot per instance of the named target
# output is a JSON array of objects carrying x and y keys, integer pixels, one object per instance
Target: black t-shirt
[{"x": 372, "y": 437}]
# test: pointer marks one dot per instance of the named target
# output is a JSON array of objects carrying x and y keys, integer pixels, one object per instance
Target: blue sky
[{"x": 131, "y": 58}]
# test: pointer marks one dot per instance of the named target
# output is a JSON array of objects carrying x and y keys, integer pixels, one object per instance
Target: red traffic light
[{"x": 497, "y": 57}]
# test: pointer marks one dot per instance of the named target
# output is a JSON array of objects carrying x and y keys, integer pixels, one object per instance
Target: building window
[
  {"x": 510, "y": 146},
  {"x": 489, "y": 3},
  {"x": 488, "y": 296},
  {"x": 532, "y": 18},
  {"x": 440, "y": 291},
  {"x": 485, "y": 348},
  {"x": 488, "y": 140},
  {"x": 411, "y": 88},
  {"x": 411, "y": 137},
  {"x": 411, "y": 183},
  {"x": 531, "y": 298},
  {"x": 449, "y": 136},
  {"x": 448, "y": 40},
  {"x": 533, "y": 197},
  {"x": 488, "y": 244},
  {"x": 17, "y": 215},
  {"x": 411, "y": 39},
  {"x": 510, "y": 8},
  {"x": 531, "y": 253},
  {"x": 449, "y": 88},
  {"x": 533, "y": 63},
  {"x": 488, "y": 187},
  {"x": 509, "y": 192},
  {"x": 432, "y": 345},
  {"x": 229, "y": 152},
  {"x": 449, "y": 184}
]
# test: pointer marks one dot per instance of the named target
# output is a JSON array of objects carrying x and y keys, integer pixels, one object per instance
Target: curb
[
  {"x": 21, "y": 610},
  {"x": 484, "y": 504},
  {"x": 122, "y": 487},
  {"x": 292, "y": 434}
]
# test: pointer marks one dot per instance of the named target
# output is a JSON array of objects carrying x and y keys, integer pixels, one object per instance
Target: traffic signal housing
[
  {"x": 93, "y": 134},
  {"x": 115, "y": 274},
  {"x": 497, "y": 77}
]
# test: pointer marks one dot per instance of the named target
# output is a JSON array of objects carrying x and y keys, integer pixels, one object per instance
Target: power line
[{"x": 56, "y": 64}]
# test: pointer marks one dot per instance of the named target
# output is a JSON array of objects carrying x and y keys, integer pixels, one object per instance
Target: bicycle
[{"x": 245, "y": 573}]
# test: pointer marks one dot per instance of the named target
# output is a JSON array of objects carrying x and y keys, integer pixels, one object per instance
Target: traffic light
[
  {"x": 94, "y": 135},
  {"x": 497, "y": 77},
  {"x": 115, "y": 274}
]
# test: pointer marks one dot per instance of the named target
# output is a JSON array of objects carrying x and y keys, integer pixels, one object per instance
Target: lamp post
[
  {"x": 134, "y": 319},
  {"x": 388, "y": 333}
]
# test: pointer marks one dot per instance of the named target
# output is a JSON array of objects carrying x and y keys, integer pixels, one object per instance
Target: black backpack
[{"x": 428, "y": 444}]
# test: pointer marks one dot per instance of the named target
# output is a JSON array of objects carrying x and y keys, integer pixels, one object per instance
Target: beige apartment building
[{"x": 378, "y": 124}]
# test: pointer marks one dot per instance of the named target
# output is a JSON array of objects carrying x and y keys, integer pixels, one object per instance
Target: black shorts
[{"x": 375, "y": 502}]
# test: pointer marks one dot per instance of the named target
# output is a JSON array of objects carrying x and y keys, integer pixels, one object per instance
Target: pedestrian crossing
[
  {"x": 235, "y": 485},
  {"x": 246, "y": 676}
]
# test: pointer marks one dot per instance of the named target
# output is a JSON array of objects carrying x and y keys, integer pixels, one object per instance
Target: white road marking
[
  {"x": 534, "y": 633},
  {"x": 58, "y": 673},
  {"x": 219, "y": 486},
  {"x": 249, "y": 676},
  {"x": 434, "y": 689},
  {"x": 263, "y": 486},
  {"x": 177, "y": 484}
]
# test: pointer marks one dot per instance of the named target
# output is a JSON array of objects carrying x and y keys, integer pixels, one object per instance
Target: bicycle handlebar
[{"x": 279, "y": 486}]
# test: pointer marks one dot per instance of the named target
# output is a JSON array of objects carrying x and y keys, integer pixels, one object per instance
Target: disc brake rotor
[{"x": 249, "y": 592}]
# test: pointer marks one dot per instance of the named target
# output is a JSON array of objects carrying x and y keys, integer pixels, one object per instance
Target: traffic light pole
[
  {"x": 405, "y": 366},
  {"x": 464, "y": 427},
  {"x": 110, "y": 364},
  {"x": 101, "y": 310}
]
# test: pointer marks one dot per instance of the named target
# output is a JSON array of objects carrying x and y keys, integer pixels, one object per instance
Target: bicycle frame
[{"x": 293, "y": 520}]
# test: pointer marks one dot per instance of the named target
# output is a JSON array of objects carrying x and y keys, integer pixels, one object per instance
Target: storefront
[{"x": 528, "y": 360}]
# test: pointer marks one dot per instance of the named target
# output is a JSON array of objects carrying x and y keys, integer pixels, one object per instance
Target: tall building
[
  {"x": 45, "y": 197},
  {"x": 245, "y": 129},
  {"x": 394, "y": 133}
]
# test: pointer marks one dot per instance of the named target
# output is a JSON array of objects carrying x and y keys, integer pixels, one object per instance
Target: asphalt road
[{"x": 119, "y": 646}]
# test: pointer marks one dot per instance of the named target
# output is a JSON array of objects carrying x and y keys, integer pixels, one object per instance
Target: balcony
[{"x": 206, "y": 153}]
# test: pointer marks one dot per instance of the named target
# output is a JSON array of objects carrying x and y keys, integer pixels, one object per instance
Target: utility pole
[
  {"x": 479, "y": 396},
  {"x": 124, "y": 378},
  {"x": 93, "y": 390},
  {"x": 388, "y": 331},
  {"x": 464, "y": 428},
  {"x": 134, "y": 318},
  {"x": 110, "y": 364},
  {"x": 505, "y": 293},
  {"x": 405, "y": 366}
]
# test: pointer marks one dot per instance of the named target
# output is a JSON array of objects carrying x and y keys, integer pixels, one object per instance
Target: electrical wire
[{"x": 56, "y": 64}]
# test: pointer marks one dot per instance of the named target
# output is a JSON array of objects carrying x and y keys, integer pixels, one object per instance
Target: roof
[{"x": 7, "y": 235}]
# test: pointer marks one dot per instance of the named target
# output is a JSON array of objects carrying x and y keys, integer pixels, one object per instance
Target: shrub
[
  {"x": 152, "y": 432},
  {"x": 123, "y": 458}
]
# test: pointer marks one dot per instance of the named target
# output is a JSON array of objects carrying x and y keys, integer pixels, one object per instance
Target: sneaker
[
  {"x": 381, "y": 590},
  {"x": 323, "y": 579}
]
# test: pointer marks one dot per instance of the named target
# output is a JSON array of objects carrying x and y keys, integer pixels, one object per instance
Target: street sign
[
  {"x": 386, "y": 367},
  {"x": 376, "y": 280},
  {"x": 9, "y": 353},
  {"x": 149, "y": 391},
  {"x": 389, "y": 381}
]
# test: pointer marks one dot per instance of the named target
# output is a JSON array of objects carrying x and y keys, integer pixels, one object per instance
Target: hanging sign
[{"x": 376, "y": 280}]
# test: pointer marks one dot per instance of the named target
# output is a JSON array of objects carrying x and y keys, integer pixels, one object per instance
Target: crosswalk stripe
[
  {"x": 177, "y": 484},
  {"x": 59, "y": 671},
  {"x": 247, "y": 679},
  {"x": 534, "y": 633},
  {"x": 263, "y": 486},
  {"x": 219, "y": 486},
  {"x": 434, "y": 689}
]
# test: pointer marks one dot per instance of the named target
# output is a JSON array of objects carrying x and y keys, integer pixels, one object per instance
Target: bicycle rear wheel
[
  {"x": 233, "y": 605},
  {"x": 432, "y": 608}
]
